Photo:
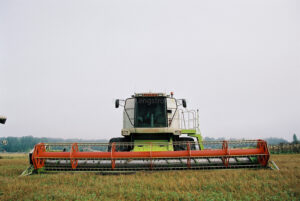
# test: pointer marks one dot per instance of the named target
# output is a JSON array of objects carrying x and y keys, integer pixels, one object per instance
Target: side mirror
[
  {"x": 184, "y": 103},
  {"x": 117, "y": 103},
  {"x": 2, "y": 120}
]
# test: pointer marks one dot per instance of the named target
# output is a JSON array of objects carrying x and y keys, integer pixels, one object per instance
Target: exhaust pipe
[{"x": 2, "y": 120}]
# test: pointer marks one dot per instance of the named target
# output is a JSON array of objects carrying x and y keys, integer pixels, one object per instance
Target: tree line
[
  {"x": 26, "y": 143},
  {"x": 270, "y": 141}
]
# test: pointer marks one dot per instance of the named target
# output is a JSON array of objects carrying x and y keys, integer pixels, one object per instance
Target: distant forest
[
  {"x": 26, "y": 143},
  {"x": 270, "y": 141}
]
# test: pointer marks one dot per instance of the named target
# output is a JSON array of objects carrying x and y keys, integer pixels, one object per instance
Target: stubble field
[{"x": 232, "y": 184}]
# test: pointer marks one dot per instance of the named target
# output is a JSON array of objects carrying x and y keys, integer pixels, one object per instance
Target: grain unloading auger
[{"x": 153, "y": 129}]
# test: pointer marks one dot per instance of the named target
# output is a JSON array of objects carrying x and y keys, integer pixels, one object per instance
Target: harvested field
[{"x": 241, "y": 184}]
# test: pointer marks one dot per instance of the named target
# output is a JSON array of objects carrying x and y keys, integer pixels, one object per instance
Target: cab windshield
[{"x": 150, "y": 112}]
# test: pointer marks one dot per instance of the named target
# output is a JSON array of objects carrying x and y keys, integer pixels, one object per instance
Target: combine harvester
[
  {"x": 153, "y": 128},
  {"x": 2, "y": 120}
]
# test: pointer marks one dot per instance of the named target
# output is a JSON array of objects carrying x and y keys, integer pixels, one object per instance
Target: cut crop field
[{"x": 232, "y": 184}]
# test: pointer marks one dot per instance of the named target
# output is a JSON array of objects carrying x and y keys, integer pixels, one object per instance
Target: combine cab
[{"x": 158, "y": 134}]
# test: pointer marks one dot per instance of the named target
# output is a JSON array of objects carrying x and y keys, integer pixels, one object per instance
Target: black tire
[
  {"x": 119, "y": 146},
  {"x": 183, "y": 144}
]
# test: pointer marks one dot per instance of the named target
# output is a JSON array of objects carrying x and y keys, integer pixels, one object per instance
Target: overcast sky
[{"x": 62, "y": 64}]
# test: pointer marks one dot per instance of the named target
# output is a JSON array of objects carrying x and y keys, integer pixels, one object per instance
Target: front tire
[
  {"x": 181, "y": 144},
  {"x": 122, "y": 144}
]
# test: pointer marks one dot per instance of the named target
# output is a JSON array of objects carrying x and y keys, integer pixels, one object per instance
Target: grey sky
[{"x": 62, "y": 63}]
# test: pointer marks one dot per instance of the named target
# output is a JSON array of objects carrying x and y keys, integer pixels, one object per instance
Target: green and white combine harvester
[
  {"x": 159, "y": 133},
  {"x": 2, "y": 120}
]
